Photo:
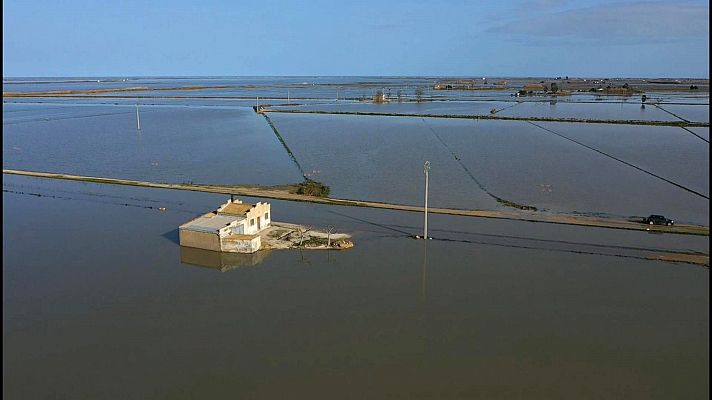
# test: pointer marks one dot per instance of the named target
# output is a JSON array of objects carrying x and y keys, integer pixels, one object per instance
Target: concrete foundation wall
[
  {"x": 200, "y": 240},
  {"x": 240, "y": 246}
]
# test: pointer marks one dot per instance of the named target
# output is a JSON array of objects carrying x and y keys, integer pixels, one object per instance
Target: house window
[
  {"x": 252, "y": 222},
  {"x": 266, "y": 216}
]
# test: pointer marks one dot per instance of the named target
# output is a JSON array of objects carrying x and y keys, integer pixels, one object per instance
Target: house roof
[
  {"x": 236, "y": 209},
  {"x": 210, "y": 222}
]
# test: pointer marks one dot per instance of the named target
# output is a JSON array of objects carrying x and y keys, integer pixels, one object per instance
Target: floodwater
[
  {"x": 175, "y": 144},
  {"x": 702, "y": 132},
  {"x": 601, "y": 111},
  {"x": 434, "y": 108},
  {"x": 102, "y": 302},
  {"x": 513, "y": 160},
  {"x": 504, "y": 309},
  {"x": 525, "y": 108},
  {"x": 689, "y": 113},
  {"x": 379, "y": 159}
]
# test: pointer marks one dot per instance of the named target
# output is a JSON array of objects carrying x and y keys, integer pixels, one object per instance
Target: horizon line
[{"x": 347, "y": 76}]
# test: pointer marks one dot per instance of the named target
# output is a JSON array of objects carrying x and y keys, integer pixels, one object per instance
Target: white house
[{"x": 234, "y": 227}]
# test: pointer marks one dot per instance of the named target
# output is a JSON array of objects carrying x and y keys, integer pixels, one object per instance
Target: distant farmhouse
[
  {"x": 233, "y": 228},
  {"x": 380, "y": 97}
]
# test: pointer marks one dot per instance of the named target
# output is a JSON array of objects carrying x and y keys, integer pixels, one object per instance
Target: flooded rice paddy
[
  {"x": 101, "y": 301},
  {"x": 538, "y": 109},
  {"x": 202, "y": 145},
  {"x": 378, "y": 158}
]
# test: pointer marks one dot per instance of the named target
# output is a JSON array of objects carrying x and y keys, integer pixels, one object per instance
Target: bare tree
[{"x": 302, "y": 231}]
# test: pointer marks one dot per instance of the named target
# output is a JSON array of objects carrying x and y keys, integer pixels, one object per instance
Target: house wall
[
  {"x": 259, "y": 210},
  {"x": 200, "y": 240},
  {"x": 238, "y": 228}
]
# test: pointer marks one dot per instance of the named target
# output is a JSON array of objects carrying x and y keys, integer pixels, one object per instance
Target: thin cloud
[{"x": 643, "y": 22}]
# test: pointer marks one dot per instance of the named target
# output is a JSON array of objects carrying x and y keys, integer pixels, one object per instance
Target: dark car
[{"x": 658, "y": 220}]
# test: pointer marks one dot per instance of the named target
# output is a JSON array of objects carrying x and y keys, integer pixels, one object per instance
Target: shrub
[{"x": 313, "y": 188}]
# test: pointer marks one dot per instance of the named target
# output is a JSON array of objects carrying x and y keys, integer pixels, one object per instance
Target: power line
[{"x": 623, "y": 161}]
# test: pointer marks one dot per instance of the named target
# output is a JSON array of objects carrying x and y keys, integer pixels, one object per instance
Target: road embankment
[
  {"x": 287, "y": 193},
  {"x": 679, "y": 123}
]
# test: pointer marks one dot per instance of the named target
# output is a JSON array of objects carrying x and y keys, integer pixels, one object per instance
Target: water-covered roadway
[{"x": 286, "y": 194}]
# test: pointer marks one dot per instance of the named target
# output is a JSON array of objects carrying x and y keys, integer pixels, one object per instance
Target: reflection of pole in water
[
  {"x": 138, "y": 119},
  {"x": 425, "y": 267},
  {"x": 422, "y": 309}
]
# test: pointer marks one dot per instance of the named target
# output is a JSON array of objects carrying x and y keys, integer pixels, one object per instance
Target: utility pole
[
  {"x": 329, "y": 231},
  {"x": 138, "y": 120},
  {"x": 426, "y": 169}
]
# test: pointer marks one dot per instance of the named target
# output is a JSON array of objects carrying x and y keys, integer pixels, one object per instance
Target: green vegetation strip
[
  {"x": 499, "y": 117},
  {"x": 283, "y": 194}
]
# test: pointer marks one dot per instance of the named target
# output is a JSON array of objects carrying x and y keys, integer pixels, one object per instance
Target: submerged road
[
  {"x": 285, "y": 194},
  {"x": 679, "y": 123}
]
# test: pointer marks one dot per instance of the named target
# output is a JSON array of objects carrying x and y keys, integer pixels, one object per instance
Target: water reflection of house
[
  {"x": 220, "y": 261},
  {"x": 233, "y": 228}
]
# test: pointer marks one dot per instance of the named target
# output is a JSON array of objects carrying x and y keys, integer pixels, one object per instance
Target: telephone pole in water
[{"x": 426, "y": 169}]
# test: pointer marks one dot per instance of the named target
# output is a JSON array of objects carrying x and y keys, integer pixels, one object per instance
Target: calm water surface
[
  {"x": 101, "y": 301},
  {"x": 175, "y": 144},
  {"x": 502, "y": 310},
  {"x": 379, "y": 158},
  {"x": 690, "y": 113}
]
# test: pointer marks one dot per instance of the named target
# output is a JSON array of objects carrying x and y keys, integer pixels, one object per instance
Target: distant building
[{"x": 234, "y": 227}]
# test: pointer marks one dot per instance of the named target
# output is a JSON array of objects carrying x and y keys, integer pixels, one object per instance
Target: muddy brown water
[
  {"x": 99, "y": 304},
  {"x": 380, "y": 159}
]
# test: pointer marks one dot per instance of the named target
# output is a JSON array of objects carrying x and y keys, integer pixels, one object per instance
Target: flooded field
[
  {"x": 340, "y": 151},
  {"x": 506, "y": 309},
  {"x": 689, "y": 113},
  {"x": 702, "y": 132},
  {"x": 603, "y": 111},
  {"x": 436, "y": 107},
  {"x": 112, "y": 307},
  {"x": 513, "y": 160},
  {"x": 477, "y": 164},
  {"x": 181, "y": 144},
  {"x": 541, "y": 109}
]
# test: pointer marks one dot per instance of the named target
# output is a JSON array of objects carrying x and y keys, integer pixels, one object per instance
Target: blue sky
[{"x": 385, "y": 37}]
